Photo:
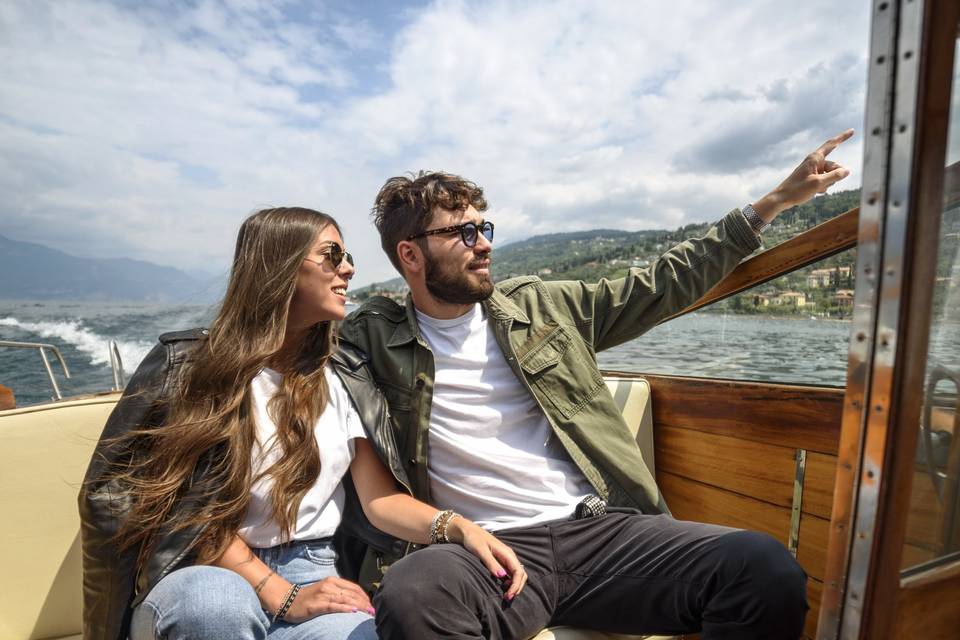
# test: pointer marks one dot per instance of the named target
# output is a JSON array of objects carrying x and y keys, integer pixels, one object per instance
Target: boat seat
[
  {"x": 44, "y": 456},
  {"x": 42, "y": 463}
]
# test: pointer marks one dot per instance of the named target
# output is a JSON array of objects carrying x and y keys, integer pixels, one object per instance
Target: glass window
[{"x": 933, "y": 524}]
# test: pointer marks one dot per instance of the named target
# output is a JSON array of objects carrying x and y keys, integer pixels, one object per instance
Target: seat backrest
[
  {"x": 632, "y": 396},
  {"x": 44, "y": 456}
]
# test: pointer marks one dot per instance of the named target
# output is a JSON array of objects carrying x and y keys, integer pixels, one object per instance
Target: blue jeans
[{"x": 213, "y": 603}]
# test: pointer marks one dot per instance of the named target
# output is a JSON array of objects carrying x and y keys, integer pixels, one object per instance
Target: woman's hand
[
  {"x": 496, "y": 556},
  {"x": 330, "y": 595}
]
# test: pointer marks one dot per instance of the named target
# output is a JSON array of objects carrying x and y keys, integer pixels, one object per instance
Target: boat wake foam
[{"x": 94, "y": 345}]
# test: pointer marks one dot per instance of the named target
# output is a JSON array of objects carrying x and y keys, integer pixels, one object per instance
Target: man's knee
[
  {"x": 429, "y": 573},
  {"x": 763, "y": 578},
  {"x": 766, "y": 562}
]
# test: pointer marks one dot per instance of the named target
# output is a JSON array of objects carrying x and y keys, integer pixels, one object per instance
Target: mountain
[{"x": 30, "y": 271}]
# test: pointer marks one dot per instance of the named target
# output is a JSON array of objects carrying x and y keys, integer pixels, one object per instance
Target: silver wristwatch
[{"x": 756, "y": 222}]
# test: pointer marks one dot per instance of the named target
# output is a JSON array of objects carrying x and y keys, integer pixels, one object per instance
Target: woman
[{"x": 210, "y": 503}]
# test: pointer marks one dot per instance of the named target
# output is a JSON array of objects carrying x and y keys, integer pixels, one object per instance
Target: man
[{"x": 501, "y": 413}]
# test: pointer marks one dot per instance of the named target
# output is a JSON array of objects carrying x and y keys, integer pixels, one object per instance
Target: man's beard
[{"x": 450, "y": 285}]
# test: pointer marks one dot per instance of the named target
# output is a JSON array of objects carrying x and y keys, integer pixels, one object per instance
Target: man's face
[{"x": 456, "y": 273}]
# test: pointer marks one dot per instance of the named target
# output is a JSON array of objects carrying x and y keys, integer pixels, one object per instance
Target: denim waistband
[{"x": 282, "y": 553}]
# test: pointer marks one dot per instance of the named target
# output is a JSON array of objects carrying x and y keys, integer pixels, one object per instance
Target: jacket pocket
[{"x": 561, "y": 370}]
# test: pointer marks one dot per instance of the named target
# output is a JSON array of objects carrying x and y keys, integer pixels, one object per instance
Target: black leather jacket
[{"x": 112, "y": 584}]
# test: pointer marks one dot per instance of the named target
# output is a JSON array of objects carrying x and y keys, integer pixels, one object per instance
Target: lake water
[{"x": 811, "y": 351}]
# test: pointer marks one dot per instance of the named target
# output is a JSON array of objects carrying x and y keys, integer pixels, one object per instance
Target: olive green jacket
[{"x": 550, "y": 333}]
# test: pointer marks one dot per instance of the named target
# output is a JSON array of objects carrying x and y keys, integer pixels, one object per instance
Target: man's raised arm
[{"x": 611, "y": 312}]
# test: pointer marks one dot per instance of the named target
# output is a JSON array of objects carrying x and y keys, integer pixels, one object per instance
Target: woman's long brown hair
[{"x": 209, "y": 418}]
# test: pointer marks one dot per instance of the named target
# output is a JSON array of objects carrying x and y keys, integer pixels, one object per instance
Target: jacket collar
[{"x": 500, "y": 307}]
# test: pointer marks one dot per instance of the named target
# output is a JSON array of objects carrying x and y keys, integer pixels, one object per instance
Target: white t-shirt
[
  {"x": 493, "y": 456},
  {"x": 322, "y": 506}
]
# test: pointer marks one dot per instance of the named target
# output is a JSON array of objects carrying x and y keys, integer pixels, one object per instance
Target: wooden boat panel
[
  {"x": 798, "y": 417},
  {"x": 747, "y": 467},
  {"x": 929, "y": 611},
  {"x": 812, "y": 551},
  {"x": 814, "y": 595},
  {"x": 818, "y": 484}
]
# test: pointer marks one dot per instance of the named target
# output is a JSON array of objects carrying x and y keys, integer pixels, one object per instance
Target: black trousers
[{"x": 623, "y": 572}]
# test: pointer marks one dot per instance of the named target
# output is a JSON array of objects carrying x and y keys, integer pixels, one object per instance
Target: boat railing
[
  {"x": 116, "y": 366},
  {"x": 42, "y": 347}
]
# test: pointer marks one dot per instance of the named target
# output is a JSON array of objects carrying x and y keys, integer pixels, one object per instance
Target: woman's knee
[{"x": 204, "y": 601}]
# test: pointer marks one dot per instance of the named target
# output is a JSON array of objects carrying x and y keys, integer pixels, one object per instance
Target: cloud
[{"x": 150, "y": 130}]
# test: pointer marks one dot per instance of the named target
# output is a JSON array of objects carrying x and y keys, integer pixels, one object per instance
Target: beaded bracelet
[
  {"x": 287, "y": 603},
  {"x": 435, "y": 525},
  {"x": 446, "y": 525},
  {"x": 438, "y": 528}
]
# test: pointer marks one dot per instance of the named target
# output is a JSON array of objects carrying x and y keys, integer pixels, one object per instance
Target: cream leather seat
[{"x": 43, "y": 458}]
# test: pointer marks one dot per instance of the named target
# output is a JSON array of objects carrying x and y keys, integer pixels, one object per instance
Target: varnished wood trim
[
  {"x": 927, "y": 612},
  {"x": 691, "y": 500},
  {"x": 822, "y": 241},
  {"x": 812, "y": 554},
  {"x": 755, "y": 469},
  {"x": 814, "y": 595},
  {"x": 818, "y": 484},
  {"x": 794, "y": 416}
]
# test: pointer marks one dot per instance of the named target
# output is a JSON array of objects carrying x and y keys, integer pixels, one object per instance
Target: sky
[{"x": 150, "y": 130}]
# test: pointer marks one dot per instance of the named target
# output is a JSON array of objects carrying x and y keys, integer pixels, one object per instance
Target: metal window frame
[{"x": 903, "y": 168}]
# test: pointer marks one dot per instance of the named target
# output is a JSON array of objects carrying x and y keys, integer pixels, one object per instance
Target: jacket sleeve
[
  {"x": 611, "y": 312},
  {"x": 108, "y": 575}
]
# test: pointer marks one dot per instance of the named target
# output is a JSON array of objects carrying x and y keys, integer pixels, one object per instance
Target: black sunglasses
[
  {"x": 335, "y": 254},
  {"x": 468, "y": 232}
]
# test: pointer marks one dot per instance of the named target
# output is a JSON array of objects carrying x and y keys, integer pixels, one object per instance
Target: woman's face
[{"x": 321, "y": 292}]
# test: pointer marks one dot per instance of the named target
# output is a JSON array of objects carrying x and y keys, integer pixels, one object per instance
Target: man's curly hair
[{"x": 405, "y": 206}]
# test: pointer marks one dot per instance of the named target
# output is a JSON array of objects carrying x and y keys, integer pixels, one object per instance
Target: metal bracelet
[
  {"x": 590, "y": 507},
  {"x": 756, "y": 222},
  {"x": 262, "y": 583}
]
